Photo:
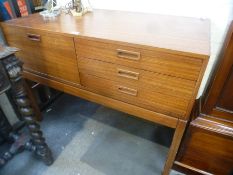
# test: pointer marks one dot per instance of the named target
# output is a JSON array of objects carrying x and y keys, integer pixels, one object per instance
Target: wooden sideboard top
[{"x": 181, "y": 35}]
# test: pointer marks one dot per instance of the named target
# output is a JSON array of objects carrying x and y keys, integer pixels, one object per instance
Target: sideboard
[{"x": 146, "y": 65}]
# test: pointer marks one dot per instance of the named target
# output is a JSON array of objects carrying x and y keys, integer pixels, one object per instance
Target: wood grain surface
[
  {"x": 156, "y": 61},
  {"x": 140, "y": 96},
  {"x": 157, "y": 82},
  {"x": 183, "y": 35},
  {"x": 106, "y": 101},
  {"x": 52, "y": 55},
  {"x": 147, "y": 65}
]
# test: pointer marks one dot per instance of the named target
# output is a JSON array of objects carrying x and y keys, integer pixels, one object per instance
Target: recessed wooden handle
[
  {"x": 128, "y": 74},
  {"x": 128, "y": 91},
  {"x": 33, "y": 37},
  {"x": 128, "y": 54}
]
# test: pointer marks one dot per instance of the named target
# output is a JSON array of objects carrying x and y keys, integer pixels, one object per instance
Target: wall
[{"x": 220, "y": 12}]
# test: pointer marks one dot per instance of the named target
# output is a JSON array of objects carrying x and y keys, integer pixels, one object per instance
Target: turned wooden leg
[
  {"x": 31, "y": 96},
  {"x": 18, "y": 146},
  {"x": 14, "y": 69},
  {"x": 179, "y": 131}
]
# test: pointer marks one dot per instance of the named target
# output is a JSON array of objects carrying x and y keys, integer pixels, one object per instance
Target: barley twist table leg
[{"x": 14, "y": 70}]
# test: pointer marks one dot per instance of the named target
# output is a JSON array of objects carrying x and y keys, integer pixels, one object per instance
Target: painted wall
[{"x": 220, "y": 12}]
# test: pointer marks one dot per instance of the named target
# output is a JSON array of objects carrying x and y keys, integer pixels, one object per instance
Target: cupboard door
[{"x": 47, "y": 54}]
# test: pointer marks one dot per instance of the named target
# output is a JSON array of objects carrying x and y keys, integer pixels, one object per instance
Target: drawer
[
  {"x": 45, "y": 53},
  {"x": 160, "y": 83},
  {"x": 136, "y": 57},
  {"x": 140, "y": 96}
]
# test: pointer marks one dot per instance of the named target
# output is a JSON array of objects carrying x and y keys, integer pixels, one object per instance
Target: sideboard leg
[
  {"x": 179, "y": 131},
  {"x": 14, "y": 69}
]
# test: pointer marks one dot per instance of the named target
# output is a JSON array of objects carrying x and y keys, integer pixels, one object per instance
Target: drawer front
[
  {"x": 48, "y": 54},
  {"x": 135, "y": 57},
  {"x": 160, "y": 83},
  {"x": 143, "y": 97}
]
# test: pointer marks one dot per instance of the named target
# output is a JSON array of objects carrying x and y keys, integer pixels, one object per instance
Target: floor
[{"x": 89, "y": 139}]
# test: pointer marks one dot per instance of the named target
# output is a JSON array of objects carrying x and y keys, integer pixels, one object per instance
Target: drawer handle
[
  {"x": 128, "y": 54},
  {"x": 128, "y": 91},
  {"x": 33, "y": 37},
  {"x": 128, "y": 74}
]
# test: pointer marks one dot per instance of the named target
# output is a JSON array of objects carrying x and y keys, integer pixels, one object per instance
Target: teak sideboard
[{"x": 146, "y": 65}]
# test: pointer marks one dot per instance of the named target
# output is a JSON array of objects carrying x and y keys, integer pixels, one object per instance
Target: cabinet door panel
[
  {"x": 44, "y": 53},
  {"x": 226, "y": 97}
]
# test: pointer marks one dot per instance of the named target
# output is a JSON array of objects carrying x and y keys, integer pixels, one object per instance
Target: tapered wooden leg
[{"x": 179, "y": 131}]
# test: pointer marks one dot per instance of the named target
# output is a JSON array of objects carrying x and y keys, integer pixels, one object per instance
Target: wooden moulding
[
  {"x": 189, "y": 169},
  {"x": 206, "y": 149},
  {"x": 211, "y": 124}
]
